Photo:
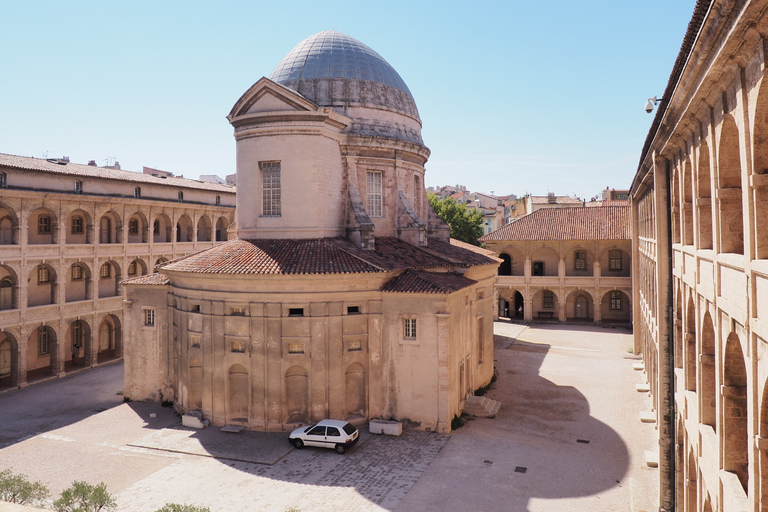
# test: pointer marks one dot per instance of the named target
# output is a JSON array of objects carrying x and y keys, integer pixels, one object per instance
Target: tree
[
  {"x": 84, "y": 497},
  {"x": 18, "y": 489},
  {"x": 466, "y": 225},
  {"x": 175, "y": 507}
]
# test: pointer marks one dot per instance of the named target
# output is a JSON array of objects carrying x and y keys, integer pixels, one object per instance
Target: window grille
[
  {"x": 615, "y": 260},
  {"x": 354, "y": 346},
  {"x": 43, "y": 274},
  {"x": 77, "y": 272},
  {"x": 295, "y": 348},
  {"x": 270, "y": 189},
  {"x": 373, "y": 194},
  {"x": 43, "y": 341},
  {"x": 237, "y": 346},
  {"x": 78, "y": 187},
  {"x": 106, "y": 271},
  {"x": 239, "y": 311},
  {"x": 409, "y": 328},
  {"x": 149, "y": 317},
  {"x": 548, "y": 299},
  {"x": 133, "y": 227},
  {"x": 616, "y": 301},
  {"x": 77, "y": 226},
  {"x": 137, "y": 192},
  {"x": 580, "y": 260},
  {"x": 43, "y": 224}
]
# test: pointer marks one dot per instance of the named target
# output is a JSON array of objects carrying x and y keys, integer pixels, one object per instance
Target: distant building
[
  {"x": 566, "y": 264},
  {"x": 212, "y": 178}
]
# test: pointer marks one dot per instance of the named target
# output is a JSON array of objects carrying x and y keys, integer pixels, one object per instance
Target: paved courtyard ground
[{"x": 567, "y": 438}]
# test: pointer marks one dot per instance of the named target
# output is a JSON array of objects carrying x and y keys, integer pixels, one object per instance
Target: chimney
[
  {"x": 92, "y": 163},
  {"x": 65, "y": 158},
  {"x": 117, "y": 165}
]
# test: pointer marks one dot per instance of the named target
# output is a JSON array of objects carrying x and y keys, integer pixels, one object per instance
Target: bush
[
  {"x": 84, "y": 497},
  {"x": 175, "y": 507},
  {"x": 18, "y": 489}
]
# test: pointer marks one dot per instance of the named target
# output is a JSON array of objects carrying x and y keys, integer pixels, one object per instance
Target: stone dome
[{"x": 334, "y": 70}]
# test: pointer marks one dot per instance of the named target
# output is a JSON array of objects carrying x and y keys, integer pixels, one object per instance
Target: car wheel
[
  {"x": 340, "y": 448},
  {"x": 298, "y": 443}
]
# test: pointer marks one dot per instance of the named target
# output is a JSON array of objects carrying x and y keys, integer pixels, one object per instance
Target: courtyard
[{"x": 568, "y": 437}]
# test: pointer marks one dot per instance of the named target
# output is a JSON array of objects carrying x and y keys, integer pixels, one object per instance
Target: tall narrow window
[
  {"x": 77, "y": 225},
  {"x": 78, "y": 187},
  {"x": 106, "y": 271},
  {"x": 43, "y": 341},
  {"x": 373, "y": 194},
  {"x": 580, "y": 260},
  {"x": 218, "y": 200},
  {"x": 137, "y": 192},
  {"x": 409, "y": 328},
  {"x": 43, "y": 275},
  {"x": 3, "y": 180},
  {"x": 132, "y": 268},
  {"x": 417, "y": 194},
  {"x": 156, "y": 227},
  {"x": 270, "y": 189},
  {"x": 149, "y": 317},
  {"x": 548, "y": 299},
  {"x": 133, "y": 227},
  {"x": 616, "y": 301},
  {"x": 77, "y": 273},
  {"x": 43, "y": 224},
  {"x": 615, "y": 260},
  {"x": 77, "y": 334},
  {"x": 181, "y": 196}
]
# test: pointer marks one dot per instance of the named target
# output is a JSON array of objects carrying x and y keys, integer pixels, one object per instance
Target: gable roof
[
  {"x": 579, "y": 223},
  {"x": 414, "y": 281}
]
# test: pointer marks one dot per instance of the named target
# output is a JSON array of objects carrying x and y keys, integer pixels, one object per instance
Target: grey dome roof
[
  {"x": 334, "y": 70},
  {"x": 331, "y": 54}
]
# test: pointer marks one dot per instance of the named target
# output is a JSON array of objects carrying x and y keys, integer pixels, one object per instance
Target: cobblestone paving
[{"x": 375, "y": 475}]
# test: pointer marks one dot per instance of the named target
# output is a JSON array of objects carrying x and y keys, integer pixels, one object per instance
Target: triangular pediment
[{"x": 268, "y": 96}]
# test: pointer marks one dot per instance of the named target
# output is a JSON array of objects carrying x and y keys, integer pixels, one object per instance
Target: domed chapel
[{"x": 339, "y": 293}]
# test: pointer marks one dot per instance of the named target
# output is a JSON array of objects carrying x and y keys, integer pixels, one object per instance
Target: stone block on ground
[{"x": 386, "y": 427}]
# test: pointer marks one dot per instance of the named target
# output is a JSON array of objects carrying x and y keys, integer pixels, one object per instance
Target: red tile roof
[
  {"x": 323, "y": 256},
  {"x": 156, "y": 279},
  {"x": 600, "y": 223},
  {"x": 414, "y": 281}
]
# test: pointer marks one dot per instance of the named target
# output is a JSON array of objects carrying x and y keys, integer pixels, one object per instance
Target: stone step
[{"x": 481, "y": 407}]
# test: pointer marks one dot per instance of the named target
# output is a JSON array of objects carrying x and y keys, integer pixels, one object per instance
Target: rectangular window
[
  {"x": 78, "y": 187},
  {"x": 295, "y": 348},
  {"x": 181, "y": 196},
  {"x": 133, "y": 227},
  {"x": 417, "y": 194},
  {"x": 538, "y": 268},
  {"x": 580, "y": 260},
  {"x": 238, "y": 311},
  {"x": 270, "y": 189},
  {"x": 616, "y": 301},
  {"x": 77, "y": 334},
  {"x": 149, "y": 317},
  {"x": 237, "y": 346},
  {"x": 353, "y": 310},
  {"x": 480, "y": 340},
  {"x": 409, "y": 328},
  {"x": 132, "y": 268},
  {"x": 43, "y": 341},
  {"x": 218, "y": 200},
  {"x": 106, "y": 271},
  {"x": 43, "y": 275},
  {"x": 156, "y": 227},
  {"x": 194, "y": 340},
  {"x": 548, "y": 299},
  {"x": 615, "y": 260},
  {"x": 136, "y": 192},
  {"x": 3, "y": 180},
  {"x": 43, "y": 224},
  {"x": 77, "y": 225},
  {"x": 354, "y": 346},
  {"x": 195, "y": 308},
  {"x": 296, "y": 312},
  {"x": 77, "y": 272},
  {"x": 373, "y": 194}
]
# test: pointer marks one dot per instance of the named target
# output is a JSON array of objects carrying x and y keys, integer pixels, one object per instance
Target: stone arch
[
  {"x": 79, "y": 227},
  {"x": 615, "y": 306},
  {"x": 505, "y": 268},
  {"x": 516, "y": 259},
  {"x": 355, "y": 392},
  {"x": 734, "y": 438},
  {"x": 222, "y": 225},
  {"x": 110, "y": 342},
  {"x": 511, "y": 303},
  {"x": 203, "y": 229},
  {"x": 138, "y": 228},
  {"x": 10, "y": 373},
  {"x": 580, "y": 262},
  {"x": 690, "y": 346},
  {"x": 692, "y": 474},
  {"x": 760, "y": 152},
  {"x": 43, "y": 227},
  {"x": 137, "y": 267},
  {"x": 79, "y": 342},
  {"x": 544, "y": 262},
  {"x": 43, "y": 351},
  {"x": 238, "y": 395},
  {"x": 704, "y": 199},
  {"x": 296, "y": 395},
  {"x": 110, "y": 228},
  {"x": 160, "y": 261},
  {"x": 77, "y": 282},
  {"x": 161, "y": 229},
  {"x": 195, "y": 394},
  {"x": 542, "y": 306},
  {"x": 731, "y": 225},
  {"x": 9, "y": 226},
  {"x": 184, "y": 230},
  {"x": 708, "y": 386},
  {"x": 42, "y": 286},
  {"x": 687, "y": 203},
  {"x": 9, "y": 289},
  {"x": 109, "y": 279},
  {"x": 580, "y": 305}
]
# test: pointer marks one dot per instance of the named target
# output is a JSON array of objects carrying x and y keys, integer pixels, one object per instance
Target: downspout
[{"x": 667, "y": 415}]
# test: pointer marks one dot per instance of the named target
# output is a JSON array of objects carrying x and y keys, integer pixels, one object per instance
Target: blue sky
[{"x": 514, "y": 96}]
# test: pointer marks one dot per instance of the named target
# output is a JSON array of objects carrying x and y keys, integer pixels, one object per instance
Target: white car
[{"x": 326, "y": 434}]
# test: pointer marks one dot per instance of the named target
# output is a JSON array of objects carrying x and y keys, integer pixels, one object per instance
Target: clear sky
[{"x": 515, "y": 96}]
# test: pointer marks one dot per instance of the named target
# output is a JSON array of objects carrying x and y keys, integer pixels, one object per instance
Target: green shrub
[
  {"x": 175, "y": 507},
  {"x": 18, "y": 489},
  {"x": 84, "y": 497}
]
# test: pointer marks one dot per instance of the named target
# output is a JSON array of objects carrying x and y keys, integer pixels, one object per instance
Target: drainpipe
[{"x": 668, "y": 437}]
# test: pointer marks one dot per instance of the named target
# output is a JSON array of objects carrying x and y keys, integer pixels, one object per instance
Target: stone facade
[
  {"x": 69, "y": 234},
  {"x": 700, "y": 203},
  {"x": 342, "y": 296},
  {"x": 565, "y": 264}
]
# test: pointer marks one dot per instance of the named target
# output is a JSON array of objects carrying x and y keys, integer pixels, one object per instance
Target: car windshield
[
  {"x": 308, "y": 428},
  {"x": 349, "y": 429}
]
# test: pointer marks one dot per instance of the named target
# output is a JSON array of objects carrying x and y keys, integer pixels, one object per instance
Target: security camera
[{"x": 650, "y": 104}]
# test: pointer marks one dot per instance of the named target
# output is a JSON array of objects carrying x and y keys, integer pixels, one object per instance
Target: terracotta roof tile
[
  {"x": 39, "y": 164},
  {"x": 414, "y": 281},
  {"x": 156, "y": 279},
  {"x": 600, "y": 223},
  {"x": 462, "y": 253}
]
